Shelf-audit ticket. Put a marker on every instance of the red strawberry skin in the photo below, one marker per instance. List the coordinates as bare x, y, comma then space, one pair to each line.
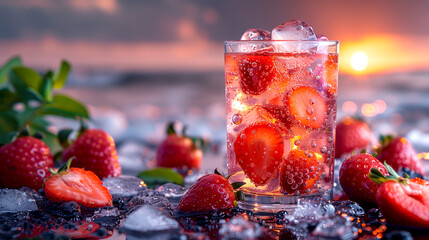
405, 205
210, 192
79, 185
95, 151
256, 73
178, 152
298, 171
351, 134
354, 178
399, 153
25, 163
258, 150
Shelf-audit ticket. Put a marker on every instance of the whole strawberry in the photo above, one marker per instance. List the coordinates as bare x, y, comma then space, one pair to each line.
25, 163
94, 150
210, 192
399, 153
178, 152
351, 134
354, 178
402, 201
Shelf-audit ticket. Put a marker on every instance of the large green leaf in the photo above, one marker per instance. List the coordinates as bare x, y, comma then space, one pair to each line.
159, 176
8, 124
60, 76
65, 106
7, 99
30, 77
26, 83
11, 63
46, 88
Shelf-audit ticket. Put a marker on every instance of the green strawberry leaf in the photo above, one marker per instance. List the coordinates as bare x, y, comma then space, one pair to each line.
30, 77
60, 76
26, 83
65, 106
63, 137
11, 63
159, 176
47, 86
7, 99
170, 128
8, 124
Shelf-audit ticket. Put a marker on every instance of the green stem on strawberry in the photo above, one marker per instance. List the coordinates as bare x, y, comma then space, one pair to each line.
376, 176
83, 126
239, 195
170, 128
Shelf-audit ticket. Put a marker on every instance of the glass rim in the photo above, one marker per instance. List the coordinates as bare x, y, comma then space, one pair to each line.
234, 42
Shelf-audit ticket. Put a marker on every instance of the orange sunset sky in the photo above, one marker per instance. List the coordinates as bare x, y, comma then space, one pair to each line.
174, 36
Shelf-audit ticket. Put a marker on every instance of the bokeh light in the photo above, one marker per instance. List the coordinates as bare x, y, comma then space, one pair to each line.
359, 61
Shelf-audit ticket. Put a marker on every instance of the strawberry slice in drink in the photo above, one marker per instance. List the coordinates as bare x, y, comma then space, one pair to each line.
299, 172
307, 106
258, 150
256, 72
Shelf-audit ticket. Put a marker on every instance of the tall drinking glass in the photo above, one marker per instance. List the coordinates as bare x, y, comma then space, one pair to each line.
281, 111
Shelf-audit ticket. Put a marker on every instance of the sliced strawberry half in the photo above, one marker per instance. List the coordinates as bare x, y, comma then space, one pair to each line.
256, 72
307, 106
279, 113
299, 172
258, 151
402, 201
79, 185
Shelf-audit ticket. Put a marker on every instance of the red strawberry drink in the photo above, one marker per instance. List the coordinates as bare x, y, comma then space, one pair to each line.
281, 107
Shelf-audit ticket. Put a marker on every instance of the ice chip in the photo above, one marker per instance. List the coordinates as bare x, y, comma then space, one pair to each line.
12, 200
240, 228
322, 38
336, 227
149, 219
172, 192
124, 186
350, 208
107, 212
307, 213
294, 30
255, 34
149, 197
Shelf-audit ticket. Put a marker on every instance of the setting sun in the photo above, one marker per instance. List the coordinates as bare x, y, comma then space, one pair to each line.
359, 61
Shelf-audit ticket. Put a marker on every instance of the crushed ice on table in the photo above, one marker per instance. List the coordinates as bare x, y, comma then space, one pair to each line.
149, 218
149, 197
240, 228
172, 192
106, 212
337, 227
349, 208
13, 200
124, 186
294, 30
306, 215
